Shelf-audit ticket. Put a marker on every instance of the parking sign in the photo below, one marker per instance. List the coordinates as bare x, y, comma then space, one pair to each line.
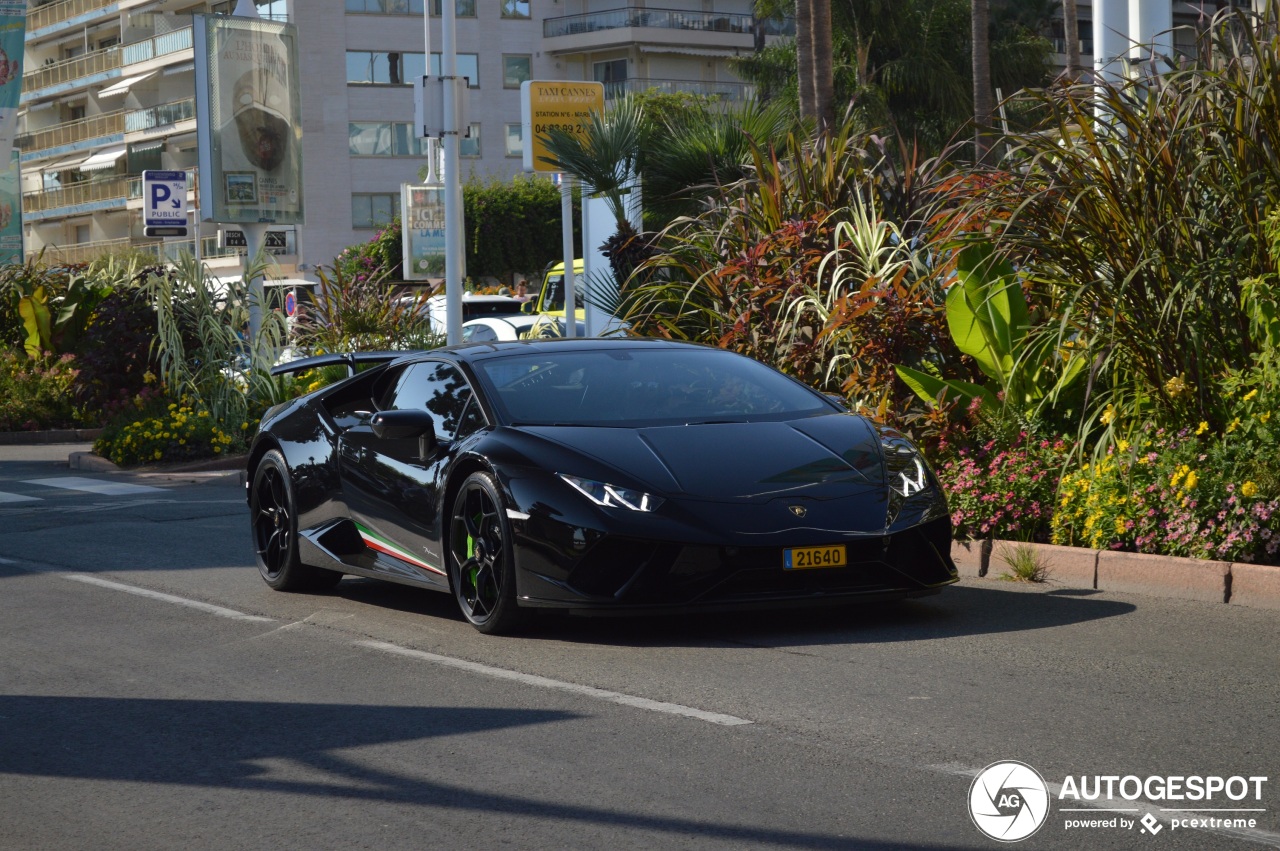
164, 198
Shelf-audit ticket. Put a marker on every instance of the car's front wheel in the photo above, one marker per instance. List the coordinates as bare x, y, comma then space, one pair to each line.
274, 522
481, 568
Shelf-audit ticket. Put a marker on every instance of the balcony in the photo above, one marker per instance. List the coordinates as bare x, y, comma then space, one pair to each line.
161, 45
73, 132
167, 251
572, 33
142, 120
99, 63
723, 91
81, 197
63, 10
667, 19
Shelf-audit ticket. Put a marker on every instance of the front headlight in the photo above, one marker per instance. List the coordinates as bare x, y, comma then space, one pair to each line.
612, 496
904, 468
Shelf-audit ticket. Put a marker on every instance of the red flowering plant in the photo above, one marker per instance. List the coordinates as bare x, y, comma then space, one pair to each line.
1004, 490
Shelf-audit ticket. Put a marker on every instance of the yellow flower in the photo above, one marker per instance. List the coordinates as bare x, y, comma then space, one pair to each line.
148, 377
1192, 478
1264, 416
1175, 386
1248, 489
1251, 394
1108, 416
1204, 426
1233, 425
1123, 446
158, 454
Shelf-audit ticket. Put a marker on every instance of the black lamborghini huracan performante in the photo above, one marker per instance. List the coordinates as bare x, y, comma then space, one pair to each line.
595, 475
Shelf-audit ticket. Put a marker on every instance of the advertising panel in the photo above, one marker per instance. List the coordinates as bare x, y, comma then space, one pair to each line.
249, 120
422, 215
10, 213
13, 30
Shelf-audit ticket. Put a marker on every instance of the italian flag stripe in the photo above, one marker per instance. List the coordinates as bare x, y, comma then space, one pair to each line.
374, 541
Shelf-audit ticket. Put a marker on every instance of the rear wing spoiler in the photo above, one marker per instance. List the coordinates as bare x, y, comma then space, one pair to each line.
348, 359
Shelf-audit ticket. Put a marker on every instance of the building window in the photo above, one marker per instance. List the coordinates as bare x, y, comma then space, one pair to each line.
515, 140
461, 8
385, 7
470, 146
384, 68
383, 139
515, 9
374, 210
468, 66
516, 69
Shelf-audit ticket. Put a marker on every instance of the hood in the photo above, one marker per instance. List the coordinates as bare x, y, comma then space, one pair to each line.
825, 457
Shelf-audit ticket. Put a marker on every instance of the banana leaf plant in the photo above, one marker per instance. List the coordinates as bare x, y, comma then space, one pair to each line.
988, 319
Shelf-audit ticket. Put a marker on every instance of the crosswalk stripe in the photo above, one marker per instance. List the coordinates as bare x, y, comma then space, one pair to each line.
17, 497
78, 483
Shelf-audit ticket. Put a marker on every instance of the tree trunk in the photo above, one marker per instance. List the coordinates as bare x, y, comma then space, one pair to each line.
1071, 30
982, 99
823, 84
804, 58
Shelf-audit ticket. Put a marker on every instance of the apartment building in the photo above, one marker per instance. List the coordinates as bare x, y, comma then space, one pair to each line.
109, 91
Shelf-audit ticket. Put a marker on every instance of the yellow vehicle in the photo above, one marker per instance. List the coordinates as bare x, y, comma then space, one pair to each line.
549, 300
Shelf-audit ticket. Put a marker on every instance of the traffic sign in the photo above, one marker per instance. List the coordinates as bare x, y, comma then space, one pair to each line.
164, 203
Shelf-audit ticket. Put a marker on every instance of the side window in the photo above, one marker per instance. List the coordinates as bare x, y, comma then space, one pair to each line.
439, 389
472, 419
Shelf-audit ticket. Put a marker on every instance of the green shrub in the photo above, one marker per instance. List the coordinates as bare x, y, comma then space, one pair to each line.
36, 394
156, 430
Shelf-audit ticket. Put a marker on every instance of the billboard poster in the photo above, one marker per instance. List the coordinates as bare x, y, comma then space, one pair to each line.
13, 31
10, 213
422, 233
248, 119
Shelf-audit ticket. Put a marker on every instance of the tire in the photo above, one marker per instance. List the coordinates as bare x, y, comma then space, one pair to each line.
273, 521
481, 567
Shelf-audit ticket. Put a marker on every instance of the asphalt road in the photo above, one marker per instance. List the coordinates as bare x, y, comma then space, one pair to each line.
154, 693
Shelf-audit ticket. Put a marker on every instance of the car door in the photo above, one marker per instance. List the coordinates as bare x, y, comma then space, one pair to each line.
394, 486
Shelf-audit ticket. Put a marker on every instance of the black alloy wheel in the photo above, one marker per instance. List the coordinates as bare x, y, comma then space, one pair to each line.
480, 561
274, 522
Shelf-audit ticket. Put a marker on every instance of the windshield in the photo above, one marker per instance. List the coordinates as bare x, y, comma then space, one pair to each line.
553, 291
640, 387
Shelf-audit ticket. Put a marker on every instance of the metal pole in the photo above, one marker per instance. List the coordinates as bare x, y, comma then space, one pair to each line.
566, 229
254, 236
452, 186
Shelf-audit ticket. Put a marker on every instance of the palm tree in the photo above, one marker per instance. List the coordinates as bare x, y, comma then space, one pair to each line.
982, 99
814, 61
606, 158
1071, 27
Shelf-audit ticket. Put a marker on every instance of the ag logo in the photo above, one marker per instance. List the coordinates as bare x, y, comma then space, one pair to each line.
1008, 801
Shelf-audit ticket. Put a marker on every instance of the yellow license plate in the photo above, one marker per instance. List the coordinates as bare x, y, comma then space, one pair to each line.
804, 558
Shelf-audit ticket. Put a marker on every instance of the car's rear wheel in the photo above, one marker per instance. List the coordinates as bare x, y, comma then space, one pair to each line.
274, 522
481, 568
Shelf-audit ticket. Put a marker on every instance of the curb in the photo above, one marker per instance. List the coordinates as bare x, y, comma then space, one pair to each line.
61, 435
1237, 584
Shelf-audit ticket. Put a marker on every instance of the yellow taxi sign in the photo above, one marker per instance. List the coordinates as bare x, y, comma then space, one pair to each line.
544, 104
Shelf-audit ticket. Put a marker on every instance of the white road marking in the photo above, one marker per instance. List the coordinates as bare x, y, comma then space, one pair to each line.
17, 497
559, 685
168, 598
79, 483
1262, 837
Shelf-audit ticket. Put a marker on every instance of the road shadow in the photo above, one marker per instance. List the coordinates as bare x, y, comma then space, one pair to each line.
961, 610
222, 744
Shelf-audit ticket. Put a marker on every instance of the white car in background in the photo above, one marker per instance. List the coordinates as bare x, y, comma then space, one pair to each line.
521, 326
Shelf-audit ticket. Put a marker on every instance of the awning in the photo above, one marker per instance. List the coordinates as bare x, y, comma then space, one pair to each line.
64, 164
689, 51
121, 86
106, 158
180, 69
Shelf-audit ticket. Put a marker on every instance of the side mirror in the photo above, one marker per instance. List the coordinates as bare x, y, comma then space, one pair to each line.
405, 425
527, 307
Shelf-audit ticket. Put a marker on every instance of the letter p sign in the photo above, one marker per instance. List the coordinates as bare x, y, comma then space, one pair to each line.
164, 196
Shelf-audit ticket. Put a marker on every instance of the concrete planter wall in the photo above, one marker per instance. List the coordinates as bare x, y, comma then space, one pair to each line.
1130, 573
